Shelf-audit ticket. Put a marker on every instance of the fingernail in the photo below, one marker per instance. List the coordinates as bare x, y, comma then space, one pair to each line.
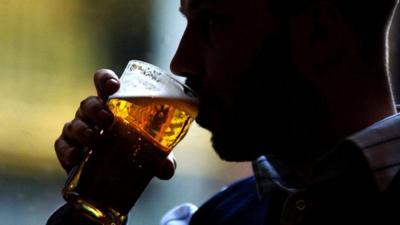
111, 84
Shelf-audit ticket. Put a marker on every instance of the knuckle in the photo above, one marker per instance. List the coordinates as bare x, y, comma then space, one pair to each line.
86, 101
91, 103
67, 127
57, 144
79, 126
61, 151
79, 114
74, 128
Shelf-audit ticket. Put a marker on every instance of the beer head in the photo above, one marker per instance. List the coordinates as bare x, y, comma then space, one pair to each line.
154, 104
141, 80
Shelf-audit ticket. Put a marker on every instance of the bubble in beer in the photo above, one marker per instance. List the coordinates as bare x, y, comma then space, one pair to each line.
145, 130
161, 120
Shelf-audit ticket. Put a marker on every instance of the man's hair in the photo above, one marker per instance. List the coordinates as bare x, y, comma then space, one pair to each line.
394, 54
368, 18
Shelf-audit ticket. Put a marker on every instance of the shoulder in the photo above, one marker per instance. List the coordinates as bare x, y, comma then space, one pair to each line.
383, 131
236, 191
380, 144
238, 203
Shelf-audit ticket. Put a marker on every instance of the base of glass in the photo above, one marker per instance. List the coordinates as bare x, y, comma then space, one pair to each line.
104, 216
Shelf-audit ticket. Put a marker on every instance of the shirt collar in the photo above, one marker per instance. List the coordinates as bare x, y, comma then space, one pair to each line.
380, 144
267, 177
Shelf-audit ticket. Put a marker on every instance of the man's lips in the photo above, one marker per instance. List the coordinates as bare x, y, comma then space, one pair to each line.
195, 83
208, 111
204, 119
209, 103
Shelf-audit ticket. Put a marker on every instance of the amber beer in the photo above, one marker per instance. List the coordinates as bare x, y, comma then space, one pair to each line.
116, 171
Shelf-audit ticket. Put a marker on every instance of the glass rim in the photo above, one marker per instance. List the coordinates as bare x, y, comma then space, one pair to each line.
185, 86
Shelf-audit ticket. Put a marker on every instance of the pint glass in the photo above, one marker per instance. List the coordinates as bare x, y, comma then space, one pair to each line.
152, 113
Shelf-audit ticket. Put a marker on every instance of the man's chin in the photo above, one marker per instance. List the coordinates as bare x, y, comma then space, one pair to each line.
233, 151
205, 120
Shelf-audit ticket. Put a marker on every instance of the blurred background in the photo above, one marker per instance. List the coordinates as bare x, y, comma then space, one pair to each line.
48, 53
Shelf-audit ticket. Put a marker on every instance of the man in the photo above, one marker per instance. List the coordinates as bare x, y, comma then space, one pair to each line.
300, 88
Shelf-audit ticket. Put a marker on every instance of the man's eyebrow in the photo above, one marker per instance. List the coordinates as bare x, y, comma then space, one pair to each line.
187, 5
195, 3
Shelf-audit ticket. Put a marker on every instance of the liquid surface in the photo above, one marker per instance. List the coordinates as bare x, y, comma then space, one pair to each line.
117, 170
164, 121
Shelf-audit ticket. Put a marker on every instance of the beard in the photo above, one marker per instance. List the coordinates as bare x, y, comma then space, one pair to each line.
274, 109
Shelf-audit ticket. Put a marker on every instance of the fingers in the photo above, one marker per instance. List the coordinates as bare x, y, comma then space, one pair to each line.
94, 111
92, 114
79, 133
82, 131
167, 170
67, 155
106, 82
69, 146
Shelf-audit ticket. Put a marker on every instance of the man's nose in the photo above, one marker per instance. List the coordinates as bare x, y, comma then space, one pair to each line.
188, 60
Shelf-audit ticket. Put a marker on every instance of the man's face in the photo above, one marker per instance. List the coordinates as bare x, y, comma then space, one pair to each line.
237, 59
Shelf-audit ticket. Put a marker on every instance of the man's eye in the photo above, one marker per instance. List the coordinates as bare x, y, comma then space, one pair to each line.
210, 25
214, 18
211, 21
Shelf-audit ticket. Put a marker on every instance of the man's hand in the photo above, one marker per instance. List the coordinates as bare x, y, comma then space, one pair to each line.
92, 116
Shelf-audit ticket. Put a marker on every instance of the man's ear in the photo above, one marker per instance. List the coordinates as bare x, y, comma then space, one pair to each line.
320, 38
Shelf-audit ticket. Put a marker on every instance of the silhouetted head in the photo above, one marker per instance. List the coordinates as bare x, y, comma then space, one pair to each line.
271, 73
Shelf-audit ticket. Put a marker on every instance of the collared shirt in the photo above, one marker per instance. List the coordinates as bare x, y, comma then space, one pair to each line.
379, 143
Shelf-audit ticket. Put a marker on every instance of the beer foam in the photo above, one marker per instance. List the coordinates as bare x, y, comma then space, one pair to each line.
141, 79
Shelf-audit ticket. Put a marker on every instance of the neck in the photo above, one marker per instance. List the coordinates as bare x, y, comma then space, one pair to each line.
350, 101
358, 97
